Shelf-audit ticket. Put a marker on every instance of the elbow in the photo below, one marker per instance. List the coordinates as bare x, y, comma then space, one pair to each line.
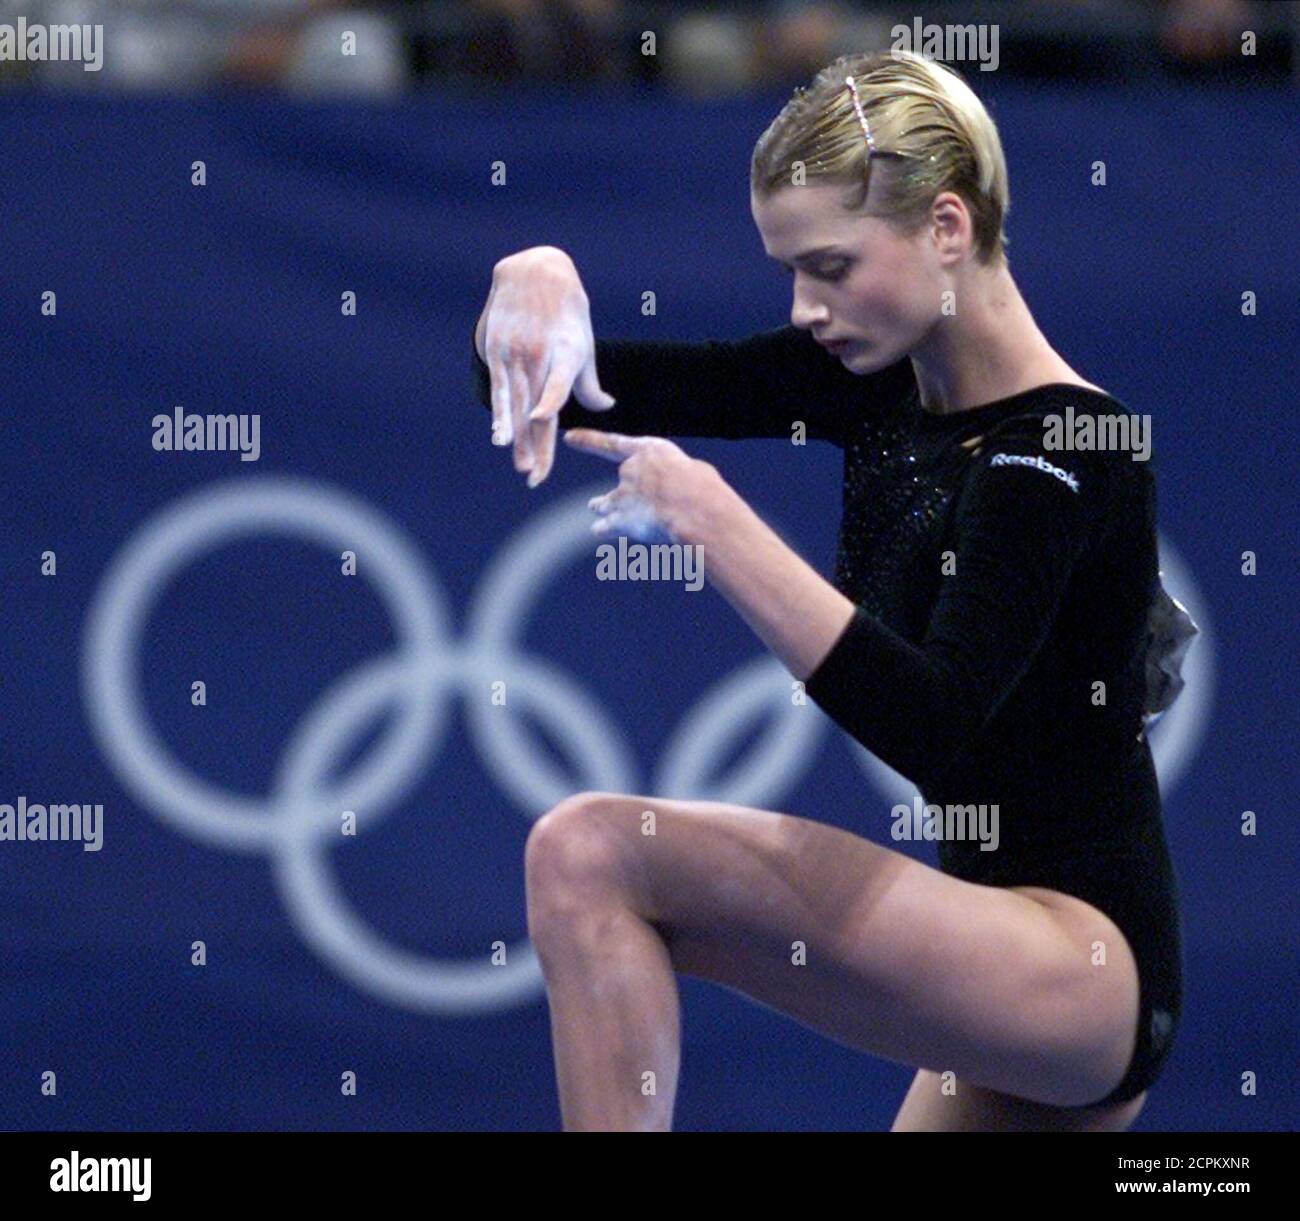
944, 724
955, 727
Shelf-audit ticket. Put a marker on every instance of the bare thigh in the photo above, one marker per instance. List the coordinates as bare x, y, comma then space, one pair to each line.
938, 1104
1000, 986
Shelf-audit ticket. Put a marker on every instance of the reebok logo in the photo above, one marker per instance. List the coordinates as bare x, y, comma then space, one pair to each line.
1066, 477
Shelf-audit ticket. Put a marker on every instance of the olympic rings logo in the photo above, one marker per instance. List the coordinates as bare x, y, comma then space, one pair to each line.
295, 823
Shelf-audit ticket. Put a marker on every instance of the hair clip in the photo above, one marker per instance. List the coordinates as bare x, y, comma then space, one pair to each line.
862, 118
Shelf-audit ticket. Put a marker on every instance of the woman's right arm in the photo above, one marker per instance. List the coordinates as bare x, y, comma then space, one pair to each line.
537, 319
758, 386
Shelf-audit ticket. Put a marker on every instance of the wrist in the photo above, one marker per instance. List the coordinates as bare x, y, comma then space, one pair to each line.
713, 511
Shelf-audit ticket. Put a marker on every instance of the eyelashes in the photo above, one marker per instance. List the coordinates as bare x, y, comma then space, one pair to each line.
832, 278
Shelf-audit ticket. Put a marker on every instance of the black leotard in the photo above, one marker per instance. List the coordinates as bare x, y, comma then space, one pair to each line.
993, 597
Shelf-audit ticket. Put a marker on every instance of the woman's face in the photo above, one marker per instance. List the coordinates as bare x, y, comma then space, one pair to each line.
856, 278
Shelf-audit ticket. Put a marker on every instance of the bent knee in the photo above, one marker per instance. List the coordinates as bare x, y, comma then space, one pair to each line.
574, 844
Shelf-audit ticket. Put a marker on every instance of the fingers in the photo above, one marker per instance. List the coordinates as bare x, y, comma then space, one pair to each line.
555, 393
541, 432
612, 445
634, 518
545, 416
544, 433
502, 430
534, 440
620, 511
519, 402
603, 504
588, 392
612, 523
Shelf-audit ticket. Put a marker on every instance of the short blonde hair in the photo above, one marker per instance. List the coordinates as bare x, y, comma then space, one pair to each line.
925, 121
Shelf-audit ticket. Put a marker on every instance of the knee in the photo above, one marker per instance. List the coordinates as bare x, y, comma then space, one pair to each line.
573, 873
571, 853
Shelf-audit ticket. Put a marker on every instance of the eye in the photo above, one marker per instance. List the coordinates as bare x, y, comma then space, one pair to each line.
833, 276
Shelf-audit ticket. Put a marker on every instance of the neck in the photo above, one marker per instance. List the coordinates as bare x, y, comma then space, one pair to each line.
989, 349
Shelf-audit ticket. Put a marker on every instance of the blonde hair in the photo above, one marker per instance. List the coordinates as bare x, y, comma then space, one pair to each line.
926, 123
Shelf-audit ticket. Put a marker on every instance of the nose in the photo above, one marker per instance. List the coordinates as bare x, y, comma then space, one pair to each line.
805, 311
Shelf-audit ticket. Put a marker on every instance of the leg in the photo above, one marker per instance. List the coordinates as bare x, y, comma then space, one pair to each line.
867, 946
970, 1108
615, 1015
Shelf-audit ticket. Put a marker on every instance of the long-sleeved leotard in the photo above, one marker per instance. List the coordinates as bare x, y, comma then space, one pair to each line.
997, 652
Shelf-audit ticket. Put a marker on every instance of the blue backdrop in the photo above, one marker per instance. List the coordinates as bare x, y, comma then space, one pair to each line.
369, 955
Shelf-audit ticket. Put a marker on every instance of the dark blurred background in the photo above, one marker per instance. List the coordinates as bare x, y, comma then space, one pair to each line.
716, 47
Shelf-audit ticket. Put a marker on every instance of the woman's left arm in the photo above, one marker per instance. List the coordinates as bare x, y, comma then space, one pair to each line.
1021, 523
794, 610
789, 605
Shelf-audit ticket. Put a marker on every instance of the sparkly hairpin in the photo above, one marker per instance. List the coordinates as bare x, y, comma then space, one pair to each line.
862, 118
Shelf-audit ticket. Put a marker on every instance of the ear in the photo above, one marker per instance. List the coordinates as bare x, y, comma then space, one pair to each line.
950, 226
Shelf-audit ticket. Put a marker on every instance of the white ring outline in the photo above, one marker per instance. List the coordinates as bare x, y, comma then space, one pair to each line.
294, 827
132, 584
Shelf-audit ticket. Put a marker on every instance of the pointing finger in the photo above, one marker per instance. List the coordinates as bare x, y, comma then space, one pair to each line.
612, 445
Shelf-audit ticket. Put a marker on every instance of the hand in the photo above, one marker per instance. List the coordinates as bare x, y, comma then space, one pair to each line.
660, 489
535, 336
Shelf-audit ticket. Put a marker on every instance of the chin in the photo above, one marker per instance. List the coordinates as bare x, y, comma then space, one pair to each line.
863, 357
